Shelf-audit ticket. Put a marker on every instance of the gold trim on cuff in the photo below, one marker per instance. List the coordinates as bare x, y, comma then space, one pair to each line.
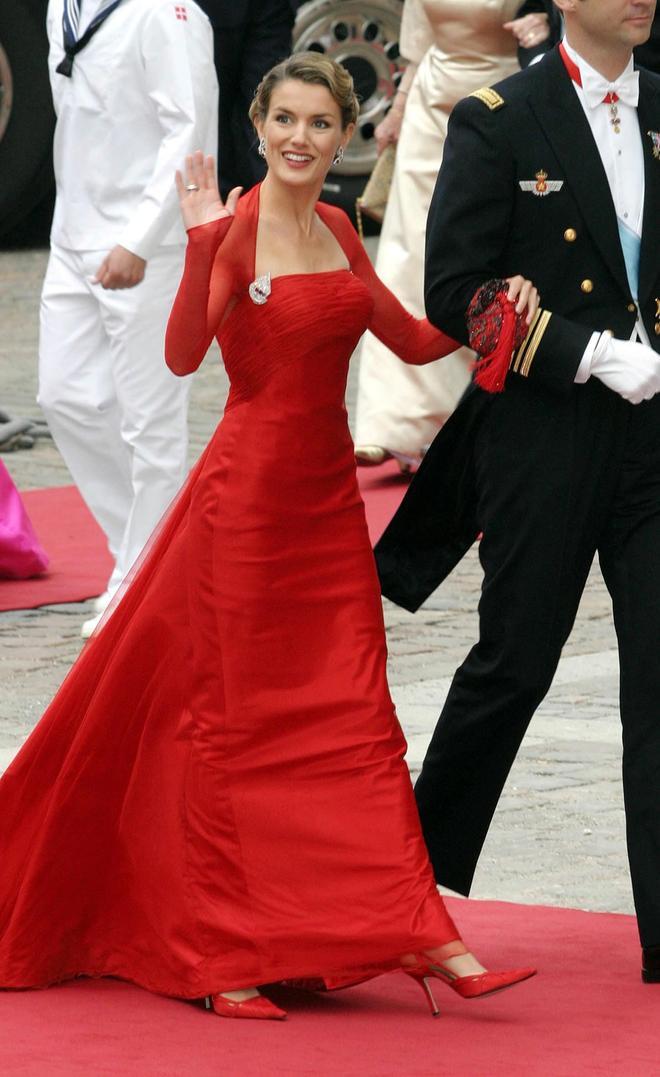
524, 357
518, 356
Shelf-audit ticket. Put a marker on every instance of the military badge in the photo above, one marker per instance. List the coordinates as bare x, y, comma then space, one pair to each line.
541, 185
655, 139
657, 317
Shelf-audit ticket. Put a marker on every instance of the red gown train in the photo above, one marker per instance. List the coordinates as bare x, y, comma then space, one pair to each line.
217, 796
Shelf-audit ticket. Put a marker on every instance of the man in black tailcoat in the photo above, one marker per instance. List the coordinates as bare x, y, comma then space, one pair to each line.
553, 174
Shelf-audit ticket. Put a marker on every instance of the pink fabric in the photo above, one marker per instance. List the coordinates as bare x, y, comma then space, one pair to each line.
21, 555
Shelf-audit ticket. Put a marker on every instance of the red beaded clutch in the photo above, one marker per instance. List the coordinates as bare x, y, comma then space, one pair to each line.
496, 331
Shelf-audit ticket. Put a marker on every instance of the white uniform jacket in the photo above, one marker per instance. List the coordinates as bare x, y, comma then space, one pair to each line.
142, 95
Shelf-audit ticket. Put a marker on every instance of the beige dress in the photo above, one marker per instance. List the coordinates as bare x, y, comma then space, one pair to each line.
460, 46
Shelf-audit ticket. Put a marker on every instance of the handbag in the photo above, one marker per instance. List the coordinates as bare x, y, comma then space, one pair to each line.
373, 200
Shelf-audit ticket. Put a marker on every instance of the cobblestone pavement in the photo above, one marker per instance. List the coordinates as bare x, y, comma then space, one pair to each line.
558, 836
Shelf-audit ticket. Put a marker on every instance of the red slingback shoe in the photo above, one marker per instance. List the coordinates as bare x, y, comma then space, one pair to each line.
258, 1007
477, 986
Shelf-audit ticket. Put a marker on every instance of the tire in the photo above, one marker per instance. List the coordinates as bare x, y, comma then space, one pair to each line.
26, 113
364, 36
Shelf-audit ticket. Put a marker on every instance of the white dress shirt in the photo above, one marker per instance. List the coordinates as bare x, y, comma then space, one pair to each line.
622, 155
142, 95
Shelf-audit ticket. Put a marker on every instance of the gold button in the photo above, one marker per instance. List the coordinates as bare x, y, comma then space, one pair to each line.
587, 285
570, 235
657, 329
631, 308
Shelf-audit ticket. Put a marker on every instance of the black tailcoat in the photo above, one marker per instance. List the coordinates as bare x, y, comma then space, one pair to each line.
544, 7
250, 36
550, 471
648, 54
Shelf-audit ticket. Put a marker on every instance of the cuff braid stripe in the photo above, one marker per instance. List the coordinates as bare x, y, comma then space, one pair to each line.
518, 357
524, 357
535, 341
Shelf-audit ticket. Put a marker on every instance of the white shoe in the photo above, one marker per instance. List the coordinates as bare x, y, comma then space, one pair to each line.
101, 603
370, 455
88, 626
374, 455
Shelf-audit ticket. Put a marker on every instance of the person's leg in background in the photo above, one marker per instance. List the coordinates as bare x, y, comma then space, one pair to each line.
152, 402
77, 393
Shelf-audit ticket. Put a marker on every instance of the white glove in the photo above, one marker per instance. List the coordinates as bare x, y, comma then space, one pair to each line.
630, 369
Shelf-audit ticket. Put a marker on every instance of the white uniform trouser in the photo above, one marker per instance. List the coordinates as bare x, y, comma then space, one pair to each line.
116, 413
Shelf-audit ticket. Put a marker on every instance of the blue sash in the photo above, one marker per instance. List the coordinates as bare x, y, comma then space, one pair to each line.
631, 245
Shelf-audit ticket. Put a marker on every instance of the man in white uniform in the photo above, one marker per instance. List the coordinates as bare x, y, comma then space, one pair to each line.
135, 90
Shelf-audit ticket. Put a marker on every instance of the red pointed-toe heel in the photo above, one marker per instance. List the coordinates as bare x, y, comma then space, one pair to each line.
477, 986
258, 1008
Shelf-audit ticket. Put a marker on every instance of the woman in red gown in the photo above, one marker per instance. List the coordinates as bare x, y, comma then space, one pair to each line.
217, 797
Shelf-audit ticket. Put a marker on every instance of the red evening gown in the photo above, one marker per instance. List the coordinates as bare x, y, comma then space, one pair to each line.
217, 795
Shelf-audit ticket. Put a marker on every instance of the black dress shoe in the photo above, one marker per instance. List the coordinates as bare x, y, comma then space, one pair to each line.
651, 965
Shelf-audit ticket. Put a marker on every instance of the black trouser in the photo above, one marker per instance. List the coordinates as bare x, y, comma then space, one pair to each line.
250, 37
558, 479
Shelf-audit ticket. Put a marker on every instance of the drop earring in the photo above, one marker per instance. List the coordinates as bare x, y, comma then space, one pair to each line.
339, 156
261, 148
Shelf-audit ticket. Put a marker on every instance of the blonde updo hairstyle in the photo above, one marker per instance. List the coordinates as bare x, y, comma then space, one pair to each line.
314, 69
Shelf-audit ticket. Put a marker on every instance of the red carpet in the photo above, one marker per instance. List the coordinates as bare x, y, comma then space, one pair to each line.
586, 1013
79, 560
382, 489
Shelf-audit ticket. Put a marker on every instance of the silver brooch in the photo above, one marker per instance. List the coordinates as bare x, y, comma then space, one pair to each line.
259, 290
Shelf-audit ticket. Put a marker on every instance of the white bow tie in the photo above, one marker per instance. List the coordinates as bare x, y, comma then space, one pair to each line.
626, 88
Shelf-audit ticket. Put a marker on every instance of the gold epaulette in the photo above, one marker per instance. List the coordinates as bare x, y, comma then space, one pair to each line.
490, 98
522, 359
